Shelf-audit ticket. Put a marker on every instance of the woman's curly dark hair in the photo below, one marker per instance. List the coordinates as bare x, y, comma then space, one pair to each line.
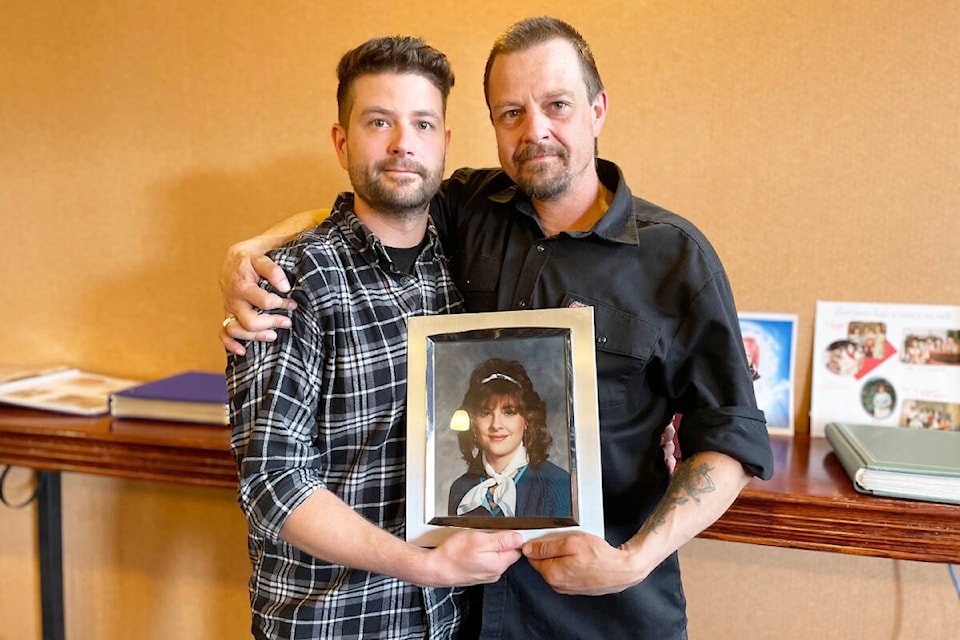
512, 382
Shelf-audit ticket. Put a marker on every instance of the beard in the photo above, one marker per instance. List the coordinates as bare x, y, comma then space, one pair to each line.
403, 199
541, 181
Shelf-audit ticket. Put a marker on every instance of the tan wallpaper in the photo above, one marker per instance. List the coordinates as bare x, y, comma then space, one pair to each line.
816, 144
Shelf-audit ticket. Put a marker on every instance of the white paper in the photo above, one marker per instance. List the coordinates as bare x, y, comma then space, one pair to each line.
893, 365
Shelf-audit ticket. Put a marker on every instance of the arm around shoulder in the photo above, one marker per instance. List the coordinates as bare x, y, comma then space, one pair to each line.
244, 266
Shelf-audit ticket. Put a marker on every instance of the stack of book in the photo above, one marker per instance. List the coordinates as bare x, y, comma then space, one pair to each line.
192, 396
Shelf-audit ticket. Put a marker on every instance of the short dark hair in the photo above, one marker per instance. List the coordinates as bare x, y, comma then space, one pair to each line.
531, 32
497, 377
391, 54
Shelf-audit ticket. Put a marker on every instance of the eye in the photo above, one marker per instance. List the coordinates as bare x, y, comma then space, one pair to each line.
510, 114
378, 122
423, 125
558, 105
483, 413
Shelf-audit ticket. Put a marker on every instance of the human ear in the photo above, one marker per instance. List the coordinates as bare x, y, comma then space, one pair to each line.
599, 109
338, 134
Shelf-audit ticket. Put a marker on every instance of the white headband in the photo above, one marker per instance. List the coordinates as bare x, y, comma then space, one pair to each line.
499, 376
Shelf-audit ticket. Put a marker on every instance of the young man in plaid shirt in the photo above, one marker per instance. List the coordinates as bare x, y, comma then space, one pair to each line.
319, 414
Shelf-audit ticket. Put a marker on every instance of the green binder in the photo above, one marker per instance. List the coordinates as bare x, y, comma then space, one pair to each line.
899, 462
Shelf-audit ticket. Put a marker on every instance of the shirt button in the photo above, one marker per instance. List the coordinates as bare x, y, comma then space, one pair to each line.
602, 340
522, 304
541, 248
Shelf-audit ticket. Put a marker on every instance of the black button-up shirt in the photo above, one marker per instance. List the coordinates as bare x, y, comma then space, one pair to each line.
668, 341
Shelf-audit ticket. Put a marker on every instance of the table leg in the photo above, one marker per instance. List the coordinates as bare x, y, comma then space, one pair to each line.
49, 528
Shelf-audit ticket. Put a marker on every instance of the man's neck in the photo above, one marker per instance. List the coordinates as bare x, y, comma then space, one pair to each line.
401, 231
577, 210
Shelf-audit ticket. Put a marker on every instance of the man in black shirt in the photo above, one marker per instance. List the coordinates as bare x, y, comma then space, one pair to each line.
557, 227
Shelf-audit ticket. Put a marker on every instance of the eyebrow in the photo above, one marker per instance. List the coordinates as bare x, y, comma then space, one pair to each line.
383, 111
550, 96
427, 113
504, 103
554, 95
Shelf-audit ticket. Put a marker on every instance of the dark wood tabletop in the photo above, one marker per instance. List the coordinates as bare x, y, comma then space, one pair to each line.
183, 453
809, 504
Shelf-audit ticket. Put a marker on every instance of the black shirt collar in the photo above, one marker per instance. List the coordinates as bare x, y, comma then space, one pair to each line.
618, 224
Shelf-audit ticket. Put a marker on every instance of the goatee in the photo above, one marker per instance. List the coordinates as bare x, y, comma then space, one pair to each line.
534, 180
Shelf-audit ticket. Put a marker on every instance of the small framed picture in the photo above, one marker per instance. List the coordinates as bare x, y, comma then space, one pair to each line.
502, 424
770, 340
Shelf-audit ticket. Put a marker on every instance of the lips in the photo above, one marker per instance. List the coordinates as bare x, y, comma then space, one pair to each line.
402, 167
538, 152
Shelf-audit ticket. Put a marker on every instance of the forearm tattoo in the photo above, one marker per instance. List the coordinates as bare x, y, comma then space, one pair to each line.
690, 481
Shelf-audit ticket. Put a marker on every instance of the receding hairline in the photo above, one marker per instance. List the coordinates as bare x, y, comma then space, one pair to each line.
533, 32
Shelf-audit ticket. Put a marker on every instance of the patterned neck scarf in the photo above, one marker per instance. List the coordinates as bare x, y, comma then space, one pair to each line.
505, 493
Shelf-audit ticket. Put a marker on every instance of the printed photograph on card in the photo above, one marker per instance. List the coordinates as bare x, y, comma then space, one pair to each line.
931, 346
506, 452
927, 414
890, 365
770, 341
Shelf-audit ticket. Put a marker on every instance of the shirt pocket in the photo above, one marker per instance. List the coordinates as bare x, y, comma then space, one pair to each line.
625, 345
478, 284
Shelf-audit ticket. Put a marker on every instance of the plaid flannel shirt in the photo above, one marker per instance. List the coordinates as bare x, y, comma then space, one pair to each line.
325, 407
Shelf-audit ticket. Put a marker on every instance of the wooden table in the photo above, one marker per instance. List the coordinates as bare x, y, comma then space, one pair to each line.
809, 504
142, 450
52, 443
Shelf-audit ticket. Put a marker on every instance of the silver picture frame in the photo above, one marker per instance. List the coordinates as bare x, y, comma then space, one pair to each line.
556, 349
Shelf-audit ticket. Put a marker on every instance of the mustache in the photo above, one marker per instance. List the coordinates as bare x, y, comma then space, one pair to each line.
401, 164
534, 150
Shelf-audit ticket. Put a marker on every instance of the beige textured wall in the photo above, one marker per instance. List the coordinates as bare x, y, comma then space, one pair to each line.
746, 592
815, 143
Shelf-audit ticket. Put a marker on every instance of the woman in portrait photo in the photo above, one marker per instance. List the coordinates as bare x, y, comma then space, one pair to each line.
506, 449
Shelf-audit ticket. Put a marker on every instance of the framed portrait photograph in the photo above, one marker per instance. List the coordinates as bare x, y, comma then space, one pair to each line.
502, 424
770, 342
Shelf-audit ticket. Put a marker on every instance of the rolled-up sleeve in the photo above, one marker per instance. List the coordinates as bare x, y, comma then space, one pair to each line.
713, 383
273, 397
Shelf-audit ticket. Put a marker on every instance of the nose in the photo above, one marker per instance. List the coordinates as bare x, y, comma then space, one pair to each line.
536, 126
400, 141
